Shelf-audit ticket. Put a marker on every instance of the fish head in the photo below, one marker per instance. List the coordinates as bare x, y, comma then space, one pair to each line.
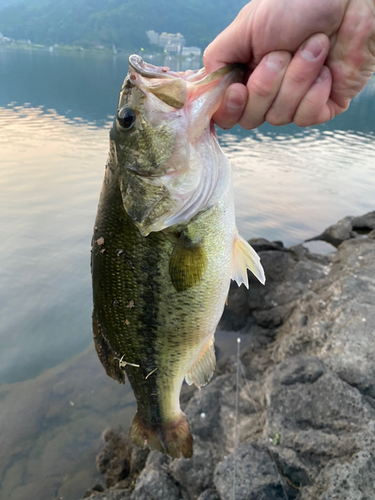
161, 117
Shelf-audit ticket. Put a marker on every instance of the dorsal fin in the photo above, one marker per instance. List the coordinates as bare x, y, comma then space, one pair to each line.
203, 369
245, 257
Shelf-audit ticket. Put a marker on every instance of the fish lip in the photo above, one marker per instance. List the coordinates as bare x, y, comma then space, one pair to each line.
148, 70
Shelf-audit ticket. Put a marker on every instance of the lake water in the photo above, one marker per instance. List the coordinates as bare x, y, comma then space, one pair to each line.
55, 114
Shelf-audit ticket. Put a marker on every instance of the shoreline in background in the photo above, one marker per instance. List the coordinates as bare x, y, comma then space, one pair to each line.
94, 50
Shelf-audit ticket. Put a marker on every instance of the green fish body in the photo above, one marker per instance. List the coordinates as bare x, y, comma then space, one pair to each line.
165, 245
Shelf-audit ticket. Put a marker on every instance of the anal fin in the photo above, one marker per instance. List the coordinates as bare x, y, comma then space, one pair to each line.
245, 257
203, 369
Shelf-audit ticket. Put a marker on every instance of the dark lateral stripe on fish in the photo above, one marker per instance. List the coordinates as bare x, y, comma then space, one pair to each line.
148, 316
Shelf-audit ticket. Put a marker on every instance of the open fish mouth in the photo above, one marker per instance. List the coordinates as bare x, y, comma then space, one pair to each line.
194, 76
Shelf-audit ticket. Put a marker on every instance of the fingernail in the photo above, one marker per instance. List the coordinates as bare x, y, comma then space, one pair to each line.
235, 100
311, 49
323, 75
275, 62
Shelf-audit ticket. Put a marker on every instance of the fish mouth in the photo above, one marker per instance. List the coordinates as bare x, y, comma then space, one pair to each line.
194, 76
175, 88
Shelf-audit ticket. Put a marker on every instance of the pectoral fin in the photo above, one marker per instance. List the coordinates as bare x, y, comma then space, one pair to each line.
187, 263
245, 257
203, 369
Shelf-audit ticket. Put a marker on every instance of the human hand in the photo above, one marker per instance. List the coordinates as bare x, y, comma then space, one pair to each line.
286, 43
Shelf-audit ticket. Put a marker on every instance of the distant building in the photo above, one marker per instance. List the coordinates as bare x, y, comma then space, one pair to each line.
153, 37
4, 39
171, 42
191, 51
171, 38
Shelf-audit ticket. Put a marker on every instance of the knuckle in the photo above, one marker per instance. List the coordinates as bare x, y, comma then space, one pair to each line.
249, 124
259, 89
277, 120
304, 120
299, 77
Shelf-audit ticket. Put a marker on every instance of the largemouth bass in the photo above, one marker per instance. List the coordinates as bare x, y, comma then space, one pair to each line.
165, 245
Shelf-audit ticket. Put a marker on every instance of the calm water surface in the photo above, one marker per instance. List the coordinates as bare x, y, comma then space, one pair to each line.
55, 114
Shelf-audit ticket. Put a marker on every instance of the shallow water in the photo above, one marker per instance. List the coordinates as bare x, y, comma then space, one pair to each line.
55, 114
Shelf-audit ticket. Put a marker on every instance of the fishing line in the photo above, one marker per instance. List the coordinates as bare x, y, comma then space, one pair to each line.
236, 418
246, 384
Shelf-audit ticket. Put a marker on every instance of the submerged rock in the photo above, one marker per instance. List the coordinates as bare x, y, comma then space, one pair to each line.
305, 421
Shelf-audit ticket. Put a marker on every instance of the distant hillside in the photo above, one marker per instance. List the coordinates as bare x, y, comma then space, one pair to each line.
119, 22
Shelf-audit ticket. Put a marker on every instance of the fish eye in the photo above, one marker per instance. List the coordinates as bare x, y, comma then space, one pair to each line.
126, 117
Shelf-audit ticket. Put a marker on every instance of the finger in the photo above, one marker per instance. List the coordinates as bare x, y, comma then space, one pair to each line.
300, 75
232, 107
316, 106
263, 86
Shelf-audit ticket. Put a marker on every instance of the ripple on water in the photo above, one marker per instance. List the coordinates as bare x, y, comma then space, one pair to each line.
291, 187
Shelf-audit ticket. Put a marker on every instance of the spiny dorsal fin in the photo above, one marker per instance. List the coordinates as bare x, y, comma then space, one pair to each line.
245, 257
203, 369
187, 263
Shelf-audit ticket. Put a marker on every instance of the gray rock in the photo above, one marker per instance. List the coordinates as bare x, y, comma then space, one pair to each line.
111, 495
353, 480
262, 245
337, 233
248, 474
155, 482
364, 223
195, 474
120, 460
315, 413
210, 494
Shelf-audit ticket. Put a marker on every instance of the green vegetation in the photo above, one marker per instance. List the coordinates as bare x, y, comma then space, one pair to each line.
120, 22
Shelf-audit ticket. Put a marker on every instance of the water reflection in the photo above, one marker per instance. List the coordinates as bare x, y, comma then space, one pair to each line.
50, 180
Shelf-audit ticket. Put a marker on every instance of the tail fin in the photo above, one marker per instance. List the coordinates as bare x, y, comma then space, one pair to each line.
173, 438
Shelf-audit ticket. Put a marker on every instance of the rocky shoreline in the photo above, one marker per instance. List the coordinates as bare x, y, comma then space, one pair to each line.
306, 389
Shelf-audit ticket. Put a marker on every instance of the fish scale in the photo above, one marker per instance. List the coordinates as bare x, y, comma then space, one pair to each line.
159, 290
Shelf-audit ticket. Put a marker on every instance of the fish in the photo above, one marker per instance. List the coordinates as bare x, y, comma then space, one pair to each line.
165, 245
